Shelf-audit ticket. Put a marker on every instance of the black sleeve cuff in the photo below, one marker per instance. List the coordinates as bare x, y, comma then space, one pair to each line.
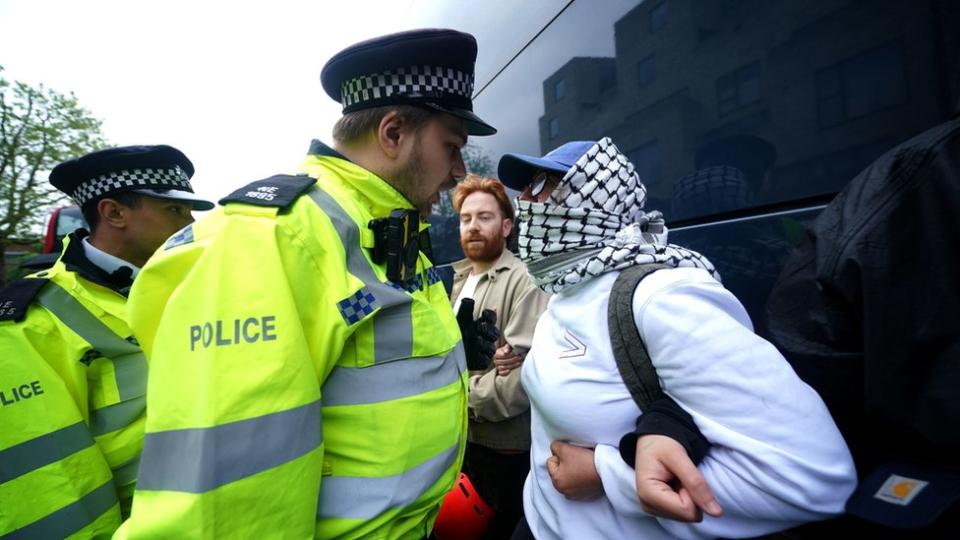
665, 417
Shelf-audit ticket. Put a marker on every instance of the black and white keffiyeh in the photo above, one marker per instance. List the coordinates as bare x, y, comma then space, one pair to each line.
594, 222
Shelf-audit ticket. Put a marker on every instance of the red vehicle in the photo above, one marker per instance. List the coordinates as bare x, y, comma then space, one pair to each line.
62, 221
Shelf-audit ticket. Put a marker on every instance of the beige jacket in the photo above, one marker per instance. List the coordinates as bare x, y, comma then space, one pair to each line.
499, 408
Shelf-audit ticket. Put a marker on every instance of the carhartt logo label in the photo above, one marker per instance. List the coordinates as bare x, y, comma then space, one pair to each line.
264, 193
900, 490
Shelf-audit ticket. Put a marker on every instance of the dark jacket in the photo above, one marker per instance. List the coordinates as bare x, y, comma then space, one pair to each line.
867, 309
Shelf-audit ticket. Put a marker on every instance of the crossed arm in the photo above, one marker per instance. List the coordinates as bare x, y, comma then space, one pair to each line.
664, 451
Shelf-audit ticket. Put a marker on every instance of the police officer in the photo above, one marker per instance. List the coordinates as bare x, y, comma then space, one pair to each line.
72, 378
307, 373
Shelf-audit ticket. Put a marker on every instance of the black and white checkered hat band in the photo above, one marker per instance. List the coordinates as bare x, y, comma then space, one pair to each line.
94, 188
413, 81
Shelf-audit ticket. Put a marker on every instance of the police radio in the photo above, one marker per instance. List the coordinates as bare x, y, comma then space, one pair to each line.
396, 243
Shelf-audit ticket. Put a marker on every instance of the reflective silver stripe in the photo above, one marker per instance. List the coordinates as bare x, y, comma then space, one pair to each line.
116, 416
130, 372
129, 364
198, 460
126, 473
73, 314
354, 497
41, 451
70, 518
393, 324
459, 356
393, 380
392, 334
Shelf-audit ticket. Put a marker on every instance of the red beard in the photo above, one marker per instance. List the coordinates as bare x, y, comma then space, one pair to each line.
489, 250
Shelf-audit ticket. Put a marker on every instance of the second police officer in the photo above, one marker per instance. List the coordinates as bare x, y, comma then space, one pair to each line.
307, 373
72, 378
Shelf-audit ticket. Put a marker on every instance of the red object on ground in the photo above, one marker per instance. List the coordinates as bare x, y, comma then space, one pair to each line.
463, 515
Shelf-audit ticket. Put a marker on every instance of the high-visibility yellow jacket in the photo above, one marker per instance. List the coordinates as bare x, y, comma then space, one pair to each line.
294, 392
70, 374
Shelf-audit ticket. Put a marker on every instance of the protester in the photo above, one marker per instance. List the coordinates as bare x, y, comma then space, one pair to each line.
865, 310
497, 459
776, 458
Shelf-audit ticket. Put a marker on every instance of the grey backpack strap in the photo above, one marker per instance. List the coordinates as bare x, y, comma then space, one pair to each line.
631, 355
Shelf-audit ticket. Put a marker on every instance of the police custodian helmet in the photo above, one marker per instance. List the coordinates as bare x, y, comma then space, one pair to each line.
158, 171
431, 68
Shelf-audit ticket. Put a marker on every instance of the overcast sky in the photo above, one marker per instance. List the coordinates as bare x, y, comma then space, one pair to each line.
235, 85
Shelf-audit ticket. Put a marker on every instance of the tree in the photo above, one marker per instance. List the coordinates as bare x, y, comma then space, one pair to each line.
39, 128
477, 161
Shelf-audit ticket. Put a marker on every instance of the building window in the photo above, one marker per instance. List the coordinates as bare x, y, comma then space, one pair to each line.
608, 77
658, 17
646, 159
559, 90
647, 70
554, 127
861, 85
738, 89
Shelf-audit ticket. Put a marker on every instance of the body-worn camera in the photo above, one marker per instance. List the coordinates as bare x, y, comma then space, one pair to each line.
396, 243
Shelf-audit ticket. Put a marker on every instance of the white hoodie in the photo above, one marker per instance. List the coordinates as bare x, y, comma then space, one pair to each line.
776, 460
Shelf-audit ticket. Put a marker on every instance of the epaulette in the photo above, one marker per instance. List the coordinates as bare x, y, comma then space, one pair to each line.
16, 297
278, 191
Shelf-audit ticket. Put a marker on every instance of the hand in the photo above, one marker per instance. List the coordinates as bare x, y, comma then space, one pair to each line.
573, 472
506, 359
479, 336
661, 463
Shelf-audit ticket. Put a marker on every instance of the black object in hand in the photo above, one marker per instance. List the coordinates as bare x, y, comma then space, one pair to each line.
479, 336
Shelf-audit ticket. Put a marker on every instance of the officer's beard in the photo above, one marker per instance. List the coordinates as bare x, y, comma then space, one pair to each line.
408, 176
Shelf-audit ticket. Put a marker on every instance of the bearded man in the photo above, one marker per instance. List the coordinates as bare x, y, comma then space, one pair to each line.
498, 449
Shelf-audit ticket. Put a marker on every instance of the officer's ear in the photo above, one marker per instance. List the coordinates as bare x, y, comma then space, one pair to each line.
113, 213
393, 132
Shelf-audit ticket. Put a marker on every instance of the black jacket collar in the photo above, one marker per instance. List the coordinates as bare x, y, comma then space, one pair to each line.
75, 260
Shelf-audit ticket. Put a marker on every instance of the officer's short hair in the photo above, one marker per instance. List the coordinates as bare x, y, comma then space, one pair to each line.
130, 199
354, 126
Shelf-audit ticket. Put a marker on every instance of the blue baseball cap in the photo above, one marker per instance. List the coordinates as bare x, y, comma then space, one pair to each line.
516, 170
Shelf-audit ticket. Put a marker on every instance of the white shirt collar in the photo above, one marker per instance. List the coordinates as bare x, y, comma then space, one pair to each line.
107, 262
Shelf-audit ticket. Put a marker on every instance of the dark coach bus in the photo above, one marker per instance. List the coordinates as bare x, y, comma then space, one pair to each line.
744, 117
